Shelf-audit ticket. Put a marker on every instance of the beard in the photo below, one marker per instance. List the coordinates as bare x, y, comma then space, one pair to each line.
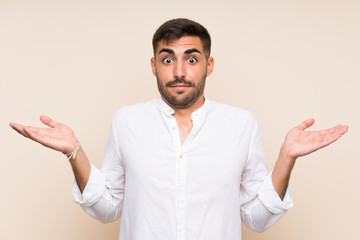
181, 100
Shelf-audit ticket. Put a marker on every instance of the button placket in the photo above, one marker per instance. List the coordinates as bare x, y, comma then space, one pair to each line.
181, 198
181, 169
180, 156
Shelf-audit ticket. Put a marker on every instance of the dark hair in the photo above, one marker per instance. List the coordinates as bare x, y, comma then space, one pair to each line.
181, 27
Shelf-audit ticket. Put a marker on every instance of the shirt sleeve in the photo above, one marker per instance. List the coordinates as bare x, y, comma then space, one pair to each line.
270, 198
261, 206
104, 192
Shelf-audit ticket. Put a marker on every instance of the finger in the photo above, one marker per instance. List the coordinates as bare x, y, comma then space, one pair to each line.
330, 139
343, 129
307, 123
329, 136
48, 121
19, 128
34, 134
340, 129
337, 130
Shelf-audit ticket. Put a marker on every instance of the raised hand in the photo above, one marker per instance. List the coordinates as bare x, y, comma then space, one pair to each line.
299, 142
58, 137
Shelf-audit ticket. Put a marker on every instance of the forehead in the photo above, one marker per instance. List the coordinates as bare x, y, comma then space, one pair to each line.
181, 44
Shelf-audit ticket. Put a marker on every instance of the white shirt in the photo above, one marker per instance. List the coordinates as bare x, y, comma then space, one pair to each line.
163, 190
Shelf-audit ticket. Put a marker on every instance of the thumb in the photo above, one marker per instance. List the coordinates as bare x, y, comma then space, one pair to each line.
48, 121
307, 123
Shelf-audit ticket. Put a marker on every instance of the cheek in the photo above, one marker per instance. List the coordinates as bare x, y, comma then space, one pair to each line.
196, 73
164, 73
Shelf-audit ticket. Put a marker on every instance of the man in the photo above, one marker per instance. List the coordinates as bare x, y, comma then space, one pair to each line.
182, 166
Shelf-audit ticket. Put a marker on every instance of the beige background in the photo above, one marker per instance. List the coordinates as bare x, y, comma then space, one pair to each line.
79, 61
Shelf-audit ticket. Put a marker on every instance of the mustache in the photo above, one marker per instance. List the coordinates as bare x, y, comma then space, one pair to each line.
180, 81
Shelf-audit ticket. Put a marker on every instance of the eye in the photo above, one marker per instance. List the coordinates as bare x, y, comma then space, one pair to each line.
192, 60
167, 60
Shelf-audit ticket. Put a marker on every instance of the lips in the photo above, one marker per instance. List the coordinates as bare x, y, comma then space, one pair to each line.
180, 86
180, 83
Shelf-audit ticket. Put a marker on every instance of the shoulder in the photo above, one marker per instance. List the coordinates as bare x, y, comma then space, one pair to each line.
231, 113
136, 110
235, 123
138, 114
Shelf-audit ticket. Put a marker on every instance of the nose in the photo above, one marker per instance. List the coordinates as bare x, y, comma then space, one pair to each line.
179, 70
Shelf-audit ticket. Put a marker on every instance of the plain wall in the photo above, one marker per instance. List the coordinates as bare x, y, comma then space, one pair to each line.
79, 61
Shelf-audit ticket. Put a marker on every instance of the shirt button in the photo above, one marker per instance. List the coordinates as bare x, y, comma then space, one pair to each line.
173, 128
181, 155
170, 110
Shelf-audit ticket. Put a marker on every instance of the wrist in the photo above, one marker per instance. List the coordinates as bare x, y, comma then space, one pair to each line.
72, 154
286, 157
70, 146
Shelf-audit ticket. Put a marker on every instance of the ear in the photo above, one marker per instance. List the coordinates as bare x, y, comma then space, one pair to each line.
210, 66
153, 66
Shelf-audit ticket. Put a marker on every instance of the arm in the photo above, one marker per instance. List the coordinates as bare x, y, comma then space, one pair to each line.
260, 204
61, 138
267, 201
102, 198
299, 142
105, 190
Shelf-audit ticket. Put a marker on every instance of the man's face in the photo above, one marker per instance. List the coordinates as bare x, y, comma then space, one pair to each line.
181, 68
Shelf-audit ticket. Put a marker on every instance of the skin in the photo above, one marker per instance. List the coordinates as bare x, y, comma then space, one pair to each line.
61, 138
299, 142
182, 59
173, 61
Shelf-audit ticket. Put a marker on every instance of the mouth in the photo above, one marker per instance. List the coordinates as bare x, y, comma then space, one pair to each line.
180, 86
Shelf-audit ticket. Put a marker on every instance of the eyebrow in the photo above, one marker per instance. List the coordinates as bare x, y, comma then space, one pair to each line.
170, 51
167, 50
189, 51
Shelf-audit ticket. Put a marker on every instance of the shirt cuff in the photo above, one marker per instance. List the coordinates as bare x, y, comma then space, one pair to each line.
94, 189
270, 198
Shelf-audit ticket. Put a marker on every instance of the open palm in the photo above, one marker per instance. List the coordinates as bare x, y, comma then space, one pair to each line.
299, 142
59, 136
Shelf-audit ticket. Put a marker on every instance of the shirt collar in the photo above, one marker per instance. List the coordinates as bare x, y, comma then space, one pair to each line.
198, 113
